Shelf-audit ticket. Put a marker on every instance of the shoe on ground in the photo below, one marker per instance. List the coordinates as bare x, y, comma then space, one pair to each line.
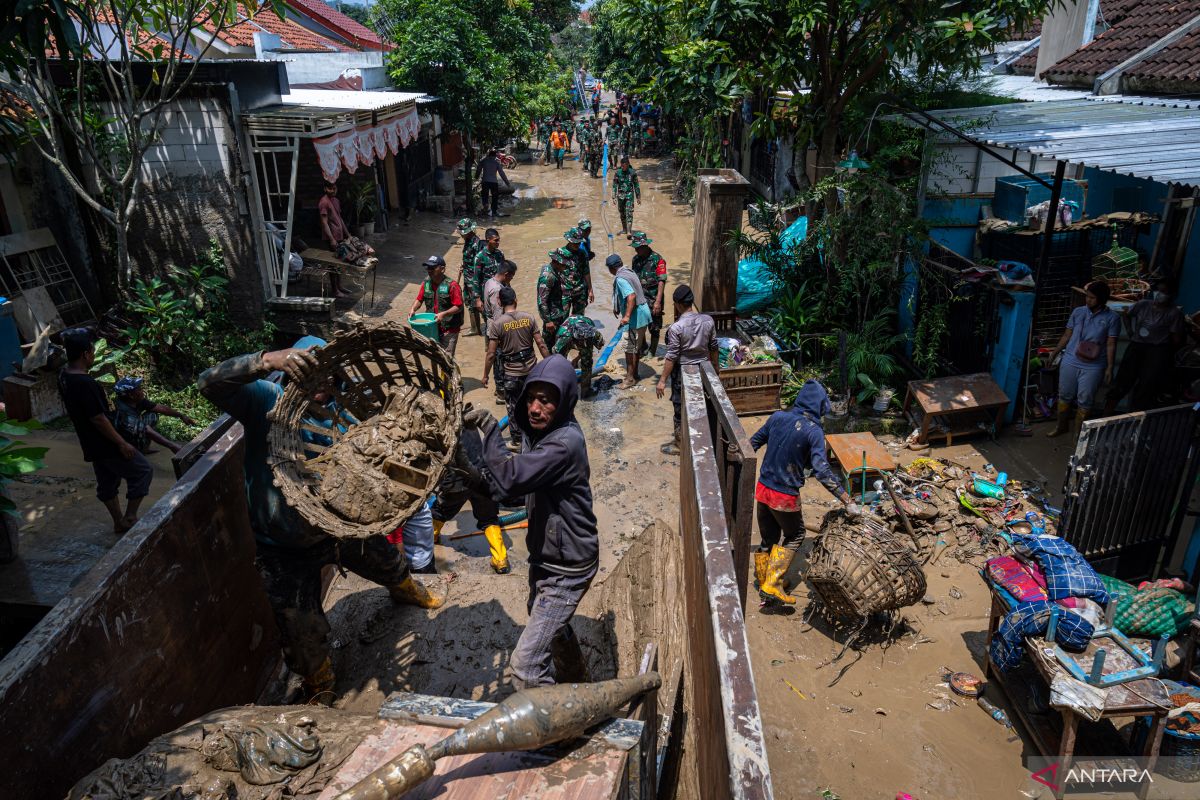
410, 592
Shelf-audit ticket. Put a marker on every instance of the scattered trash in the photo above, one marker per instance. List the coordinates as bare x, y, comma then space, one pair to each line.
881, 712
965, 683
799, 693
956, 593
846, 709
928, 600
856, 692
994, 712
941, 704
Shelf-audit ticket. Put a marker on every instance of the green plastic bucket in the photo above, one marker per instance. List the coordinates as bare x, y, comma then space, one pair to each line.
425, 324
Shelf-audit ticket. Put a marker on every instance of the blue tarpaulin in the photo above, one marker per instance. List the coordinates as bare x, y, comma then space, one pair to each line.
756, 286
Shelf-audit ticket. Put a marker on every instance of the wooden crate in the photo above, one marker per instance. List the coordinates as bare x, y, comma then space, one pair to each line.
753, 388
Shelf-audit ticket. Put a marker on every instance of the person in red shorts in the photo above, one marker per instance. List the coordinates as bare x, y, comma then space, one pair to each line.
795, 442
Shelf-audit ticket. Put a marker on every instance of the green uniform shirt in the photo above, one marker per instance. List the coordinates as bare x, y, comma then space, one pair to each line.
551, 295
651, 270
486, 266
469, 251
625, 185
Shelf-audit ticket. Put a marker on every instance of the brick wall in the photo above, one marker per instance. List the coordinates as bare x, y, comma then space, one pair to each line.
193, 194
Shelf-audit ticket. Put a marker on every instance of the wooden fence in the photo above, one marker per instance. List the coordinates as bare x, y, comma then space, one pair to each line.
729, 754
172, 623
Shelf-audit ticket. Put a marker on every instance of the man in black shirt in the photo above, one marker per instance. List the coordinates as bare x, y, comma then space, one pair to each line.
112, 458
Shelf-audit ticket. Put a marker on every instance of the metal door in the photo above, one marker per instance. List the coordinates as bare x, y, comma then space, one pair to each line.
1125, 495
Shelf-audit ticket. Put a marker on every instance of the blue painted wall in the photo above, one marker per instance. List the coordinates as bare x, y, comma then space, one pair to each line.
1108, 192
953, 221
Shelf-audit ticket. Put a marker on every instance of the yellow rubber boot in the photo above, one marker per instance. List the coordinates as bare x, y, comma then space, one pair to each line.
778, 562
318, 687
1062, 422
410, 592
437, 530
495, 540
761, 557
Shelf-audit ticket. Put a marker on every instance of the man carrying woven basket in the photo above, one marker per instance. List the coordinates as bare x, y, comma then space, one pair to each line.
795, 442
290, 552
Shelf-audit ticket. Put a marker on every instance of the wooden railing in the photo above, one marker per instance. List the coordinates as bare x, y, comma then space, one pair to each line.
725, 737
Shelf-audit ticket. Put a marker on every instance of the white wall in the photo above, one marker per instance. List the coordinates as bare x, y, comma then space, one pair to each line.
322, 67
195, 141
955, 168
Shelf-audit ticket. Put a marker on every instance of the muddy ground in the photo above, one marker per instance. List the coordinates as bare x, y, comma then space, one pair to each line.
870, 734
462, 649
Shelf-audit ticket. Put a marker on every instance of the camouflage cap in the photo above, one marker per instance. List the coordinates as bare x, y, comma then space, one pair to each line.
466, 225
640, 238
574, 236
561, 255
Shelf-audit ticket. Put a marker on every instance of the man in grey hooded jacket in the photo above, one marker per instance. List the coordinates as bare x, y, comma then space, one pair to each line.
553, 474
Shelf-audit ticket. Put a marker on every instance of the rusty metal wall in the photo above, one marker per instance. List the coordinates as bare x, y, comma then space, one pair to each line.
172, 623
1124, 488
724, 747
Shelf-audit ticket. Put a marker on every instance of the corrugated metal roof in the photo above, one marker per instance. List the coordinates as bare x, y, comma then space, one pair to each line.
354, 101
1157, 138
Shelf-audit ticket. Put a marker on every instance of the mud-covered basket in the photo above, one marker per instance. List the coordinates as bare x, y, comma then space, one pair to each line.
862, 568
363, 464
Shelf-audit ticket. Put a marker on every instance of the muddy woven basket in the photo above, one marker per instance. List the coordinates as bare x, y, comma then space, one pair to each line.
864, 568
365, 462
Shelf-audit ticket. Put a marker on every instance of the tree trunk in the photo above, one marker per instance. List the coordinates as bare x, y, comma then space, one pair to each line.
470, 156
124, 263
827, 157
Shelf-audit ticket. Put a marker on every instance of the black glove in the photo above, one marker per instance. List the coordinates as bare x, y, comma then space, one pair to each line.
479, 419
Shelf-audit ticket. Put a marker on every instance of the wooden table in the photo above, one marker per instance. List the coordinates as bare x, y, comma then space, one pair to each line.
961, 405
850, 450
325, 262
1124, 700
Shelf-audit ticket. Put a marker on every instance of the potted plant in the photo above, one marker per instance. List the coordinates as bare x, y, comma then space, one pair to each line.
366, 205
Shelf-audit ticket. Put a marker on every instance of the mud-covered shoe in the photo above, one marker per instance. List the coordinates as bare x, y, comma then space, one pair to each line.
499, 551
318, 687
410, 592
778, 561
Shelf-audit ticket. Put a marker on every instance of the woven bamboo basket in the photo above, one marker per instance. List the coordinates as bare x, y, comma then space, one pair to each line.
864, 568
397, 413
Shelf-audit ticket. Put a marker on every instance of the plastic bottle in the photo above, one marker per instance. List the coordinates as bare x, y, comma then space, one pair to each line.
995, 713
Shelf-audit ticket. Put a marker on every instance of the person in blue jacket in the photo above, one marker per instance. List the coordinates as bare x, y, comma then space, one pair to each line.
289, 552
795, 442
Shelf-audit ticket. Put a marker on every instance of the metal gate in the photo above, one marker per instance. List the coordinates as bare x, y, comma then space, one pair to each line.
1127, 486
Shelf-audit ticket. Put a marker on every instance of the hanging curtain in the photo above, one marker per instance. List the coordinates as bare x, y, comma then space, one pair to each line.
379, 141
410, 127
391, 130
364, 144
348, 150
329, 156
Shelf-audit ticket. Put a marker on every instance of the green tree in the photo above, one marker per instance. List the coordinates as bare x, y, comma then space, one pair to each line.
89, 82
698, 59
359, 13
488, 60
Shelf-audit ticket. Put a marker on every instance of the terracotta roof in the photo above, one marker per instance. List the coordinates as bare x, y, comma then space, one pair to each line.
351, 30
1111, 13
293, 35
1177, 63
1143, 24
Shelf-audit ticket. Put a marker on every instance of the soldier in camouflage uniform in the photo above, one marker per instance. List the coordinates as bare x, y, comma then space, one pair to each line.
651, 269
614, 135
578, 287
551, 294
471, 246
595, 149
487, 263
581, 128
579, 333
626, 190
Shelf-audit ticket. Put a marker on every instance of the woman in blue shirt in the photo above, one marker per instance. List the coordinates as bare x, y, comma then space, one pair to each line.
1089, 347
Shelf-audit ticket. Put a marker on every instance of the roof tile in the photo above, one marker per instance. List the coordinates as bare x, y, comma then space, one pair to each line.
355, 32
1143, 24
294, 36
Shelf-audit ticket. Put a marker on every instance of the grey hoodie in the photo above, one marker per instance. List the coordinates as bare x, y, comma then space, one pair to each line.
553, 473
